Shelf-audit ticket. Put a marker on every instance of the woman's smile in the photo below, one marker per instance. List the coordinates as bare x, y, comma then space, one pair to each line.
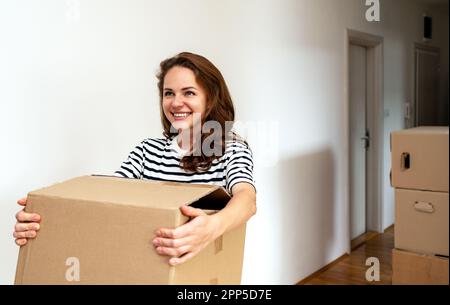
179, 116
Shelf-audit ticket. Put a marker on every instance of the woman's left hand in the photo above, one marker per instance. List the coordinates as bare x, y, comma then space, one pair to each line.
186, 241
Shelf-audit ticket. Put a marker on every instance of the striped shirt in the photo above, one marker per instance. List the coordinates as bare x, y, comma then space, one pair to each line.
159, 159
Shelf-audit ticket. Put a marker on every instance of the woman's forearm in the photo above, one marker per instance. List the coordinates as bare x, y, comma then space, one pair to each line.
240, 208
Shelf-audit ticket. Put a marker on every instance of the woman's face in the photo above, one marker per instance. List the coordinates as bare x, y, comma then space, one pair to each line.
182, 98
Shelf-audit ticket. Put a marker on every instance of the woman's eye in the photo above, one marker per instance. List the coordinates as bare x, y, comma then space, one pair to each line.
168, 93
190, 93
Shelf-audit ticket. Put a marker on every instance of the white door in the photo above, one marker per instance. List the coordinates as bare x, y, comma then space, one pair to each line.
358, 141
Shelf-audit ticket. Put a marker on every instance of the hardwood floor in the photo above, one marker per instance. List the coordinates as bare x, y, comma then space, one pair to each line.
351, 269
362, 239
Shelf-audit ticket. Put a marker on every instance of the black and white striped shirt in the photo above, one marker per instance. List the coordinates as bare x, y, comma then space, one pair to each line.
159, 159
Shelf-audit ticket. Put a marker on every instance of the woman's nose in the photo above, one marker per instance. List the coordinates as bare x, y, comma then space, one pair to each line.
178, 101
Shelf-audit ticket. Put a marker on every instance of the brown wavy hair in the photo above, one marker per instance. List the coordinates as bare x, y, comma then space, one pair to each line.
219, 105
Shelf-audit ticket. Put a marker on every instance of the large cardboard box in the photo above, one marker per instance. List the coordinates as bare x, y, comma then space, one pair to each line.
410, 268
420, 158
99, 230
422, 221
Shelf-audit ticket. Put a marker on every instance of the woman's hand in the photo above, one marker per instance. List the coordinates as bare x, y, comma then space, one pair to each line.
27, 224
184, 242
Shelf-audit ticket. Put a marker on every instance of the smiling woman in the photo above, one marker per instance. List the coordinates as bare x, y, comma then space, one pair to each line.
192, 93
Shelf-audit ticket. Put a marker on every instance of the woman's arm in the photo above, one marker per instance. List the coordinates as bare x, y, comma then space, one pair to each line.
240, 208
186, 241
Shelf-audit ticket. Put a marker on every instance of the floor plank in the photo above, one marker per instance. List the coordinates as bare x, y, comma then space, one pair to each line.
362, 239
351, 269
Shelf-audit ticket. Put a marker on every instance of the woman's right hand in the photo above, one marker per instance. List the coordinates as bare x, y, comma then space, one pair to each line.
27, 224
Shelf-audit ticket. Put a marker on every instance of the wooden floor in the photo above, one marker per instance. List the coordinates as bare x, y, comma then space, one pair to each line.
351, 269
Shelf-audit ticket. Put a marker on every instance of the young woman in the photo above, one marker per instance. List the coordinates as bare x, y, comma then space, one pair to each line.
193, 95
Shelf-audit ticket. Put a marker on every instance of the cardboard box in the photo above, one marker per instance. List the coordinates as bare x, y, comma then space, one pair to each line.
420, 158
421, 221
410, 268
99, 230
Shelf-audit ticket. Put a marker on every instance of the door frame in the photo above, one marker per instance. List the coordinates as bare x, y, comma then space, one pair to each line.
427, 49
375, 120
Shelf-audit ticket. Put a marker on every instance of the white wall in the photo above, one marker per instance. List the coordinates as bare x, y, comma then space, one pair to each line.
77, 94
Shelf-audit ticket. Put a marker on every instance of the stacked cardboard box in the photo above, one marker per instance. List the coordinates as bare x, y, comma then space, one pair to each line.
98, 230
420, 177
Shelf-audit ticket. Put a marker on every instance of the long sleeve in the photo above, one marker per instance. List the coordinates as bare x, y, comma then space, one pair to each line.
133, 166
239, 167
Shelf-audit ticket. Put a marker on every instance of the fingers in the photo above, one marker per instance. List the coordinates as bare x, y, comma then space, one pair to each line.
173, 247
180, 260
182, 243
173, 251
180, 232
25, 230
26, 226
25, 234
22, 201
186, 229
191, 212
23, 216
21, 241
172, 243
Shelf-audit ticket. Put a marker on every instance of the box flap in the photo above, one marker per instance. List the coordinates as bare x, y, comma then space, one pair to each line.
435, 130
135, 192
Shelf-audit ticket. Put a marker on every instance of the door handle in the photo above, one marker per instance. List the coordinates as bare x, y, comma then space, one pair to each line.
405, 161
425, 207
366, 140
